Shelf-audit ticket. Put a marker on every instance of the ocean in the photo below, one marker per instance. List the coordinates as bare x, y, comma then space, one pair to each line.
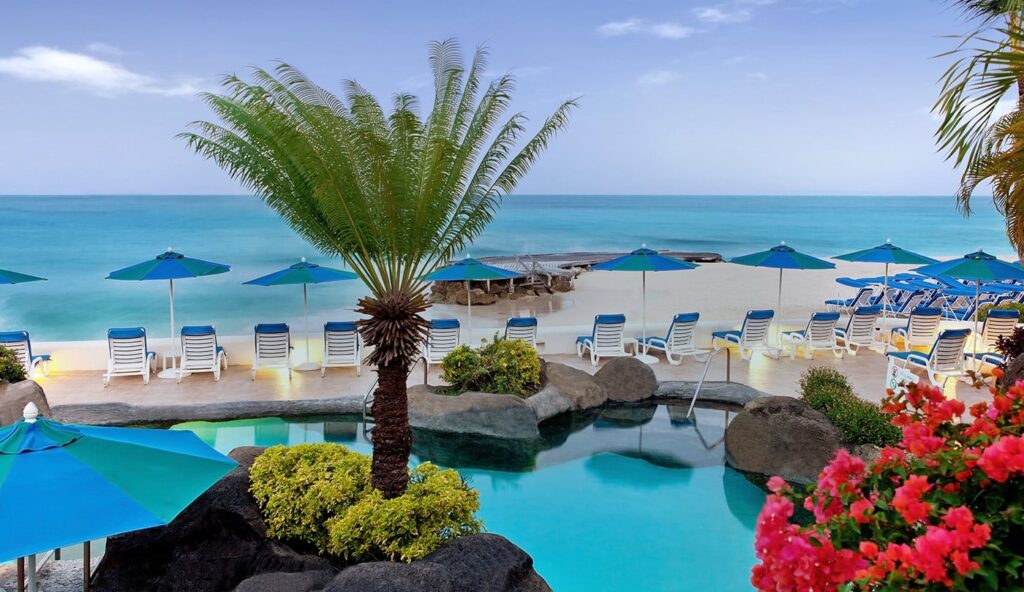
74, 241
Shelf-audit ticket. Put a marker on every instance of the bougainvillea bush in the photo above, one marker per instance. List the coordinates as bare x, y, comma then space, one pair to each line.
942, 510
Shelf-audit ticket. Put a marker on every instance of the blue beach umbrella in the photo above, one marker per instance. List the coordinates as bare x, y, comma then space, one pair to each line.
169, 266
469, 270
62, 484
304, 273
888, 254
644, 260
13, 277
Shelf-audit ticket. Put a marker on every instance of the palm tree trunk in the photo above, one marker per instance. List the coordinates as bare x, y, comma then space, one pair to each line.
392, 436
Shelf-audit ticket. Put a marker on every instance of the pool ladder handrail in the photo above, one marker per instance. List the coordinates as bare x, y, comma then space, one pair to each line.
704, 374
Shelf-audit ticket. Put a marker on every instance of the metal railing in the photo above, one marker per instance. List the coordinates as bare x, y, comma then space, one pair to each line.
368, 398
704, 374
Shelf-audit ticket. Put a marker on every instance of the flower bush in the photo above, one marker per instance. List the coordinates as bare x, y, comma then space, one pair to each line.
506, 366
320, 494
11, 369
941, 510
859, 421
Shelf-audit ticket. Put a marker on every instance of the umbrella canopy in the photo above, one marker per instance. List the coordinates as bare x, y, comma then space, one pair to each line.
468, 270
13, 277
782, 257
887, 253
303, 272
976, 266
64, 484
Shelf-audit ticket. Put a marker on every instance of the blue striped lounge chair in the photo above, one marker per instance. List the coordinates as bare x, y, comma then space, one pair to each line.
860, 329
607, 339
273, 348
442, 339
915, 300
753, 335
522, 328
921, 329
999, 323
944, 361
343, 347
20, 343
819, 334
864, 297
678, 342
200, 351
128, 354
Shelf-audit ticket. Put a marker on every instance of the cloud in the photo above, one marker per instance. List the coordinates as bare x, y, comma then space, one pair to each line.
88, 73
98, 47
711, 14
635, 26
657, 78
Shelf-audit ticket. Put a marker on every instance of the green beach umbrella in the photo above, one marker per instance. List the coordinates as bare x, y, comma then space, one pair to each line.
13, 277
888, 254
468, 270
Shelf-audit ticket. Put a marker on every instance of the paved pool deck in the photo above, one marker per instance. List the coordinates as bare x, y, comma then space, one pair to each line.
866, 372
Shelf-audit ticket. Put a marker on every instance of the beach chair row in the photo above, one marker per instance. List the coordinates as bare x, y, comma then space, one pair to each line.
957, 301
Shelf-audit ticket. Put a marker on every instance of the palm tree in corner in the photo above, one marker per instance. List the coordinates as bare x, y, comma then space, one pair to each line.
393, 194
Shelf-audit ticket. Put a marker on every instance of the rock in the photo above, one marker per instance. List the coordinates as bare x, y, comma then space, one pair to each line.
869, 453
719, 392
305, 581
575, 385
125, 414
480, 297
561, 283
627, 417
548, 402
477, 563
485, 414
627, 380
781, 436
14, 397
213, 545
1013, 372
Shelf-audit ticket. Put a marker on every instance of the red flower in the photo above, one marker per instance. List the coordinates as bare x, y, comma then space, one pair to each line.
907, 500
1003, 458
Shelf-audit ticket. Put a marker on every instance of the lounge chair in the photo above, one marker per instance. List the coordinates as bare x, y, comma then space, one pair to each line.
864, 297
944, 361
908, 305
921, 329
860, 329
753, 335
273, 343
607, 339
678, 342
21, 345
819, 334
343, 347
200, 352
442, 339
128, 354
1000, 322
524, 328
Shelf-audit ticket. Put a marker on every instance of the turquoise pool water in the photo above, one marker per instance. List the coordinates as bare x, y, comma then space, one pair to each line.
630, 500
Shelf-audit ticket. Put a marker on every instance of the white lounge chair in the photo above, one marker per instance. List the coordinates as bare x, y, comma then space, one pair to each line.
913, 301
921, 329
606, 340
864, 297
860, 329
678, 342
523, 328
753, 335
128, 354
819, 334
1000, 322
200, 352
21, 345
442, 339
273, 348
944, 361
343, 347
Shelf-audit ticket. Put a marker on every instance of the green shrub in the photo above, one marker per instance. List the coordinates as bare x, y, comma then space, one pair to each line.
983, 311
320, 494
859, 421
11, 369
506, 366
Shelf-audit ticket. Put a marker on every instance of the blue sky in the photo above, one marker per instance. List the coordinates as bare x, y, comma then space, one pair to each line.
678, 96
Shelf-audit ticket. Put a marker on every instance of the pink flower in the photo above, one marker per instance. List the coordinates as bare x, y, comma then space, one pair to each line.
907, 500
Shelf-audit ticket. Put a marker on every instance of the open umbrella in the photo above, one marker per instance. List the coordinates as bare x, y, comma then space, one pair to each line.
62, 484
644, 260
469, 270
169, 266
888, 254
782, 257
13, 277
304, 273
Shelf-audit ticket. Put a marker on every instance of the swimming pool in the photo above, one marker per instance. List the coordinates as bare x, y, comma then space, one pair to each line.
625, 499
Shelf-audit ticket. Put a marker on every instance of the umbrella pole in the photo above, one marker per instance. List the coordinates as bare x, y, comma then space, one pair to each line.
86, 565
643, 357
172, 371
308, 364
469, 313
885, 292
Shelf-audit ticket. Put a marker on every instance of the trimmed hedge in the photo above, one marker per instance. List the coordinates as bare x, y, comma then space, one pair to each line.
859, 421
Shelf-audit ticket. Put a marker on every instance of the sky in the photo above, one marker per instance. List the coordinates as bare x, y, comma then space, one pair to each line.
752, 97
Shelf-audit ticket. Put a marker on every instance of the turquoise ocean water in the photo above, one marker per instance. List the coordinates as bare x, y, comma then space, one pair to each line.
76, 240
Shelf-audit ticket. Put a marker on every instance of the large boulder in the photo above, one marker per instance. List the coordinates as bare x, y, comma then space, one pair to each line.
627, 380
580, 388
477, 563
480, 297
548, 402
483, 414
216, 543
14, 396
781, 436
302, 581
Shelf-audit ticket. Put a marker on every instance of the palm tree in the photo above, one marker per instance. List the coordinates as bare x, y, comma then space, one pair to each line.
989, 65
393, 194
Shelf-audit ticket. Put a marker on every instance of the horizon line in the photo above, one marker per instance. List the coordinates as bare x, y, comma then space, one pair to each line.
513, 195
